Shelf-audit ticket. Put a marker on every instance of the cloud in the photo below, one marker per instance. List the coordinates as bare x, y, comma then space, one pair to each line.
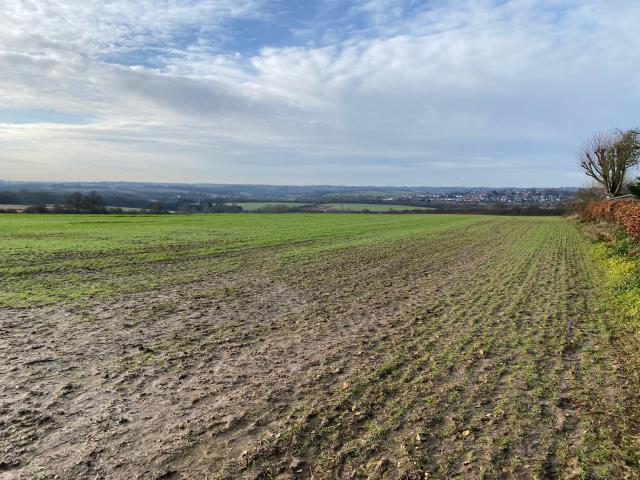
475, 92
101, 28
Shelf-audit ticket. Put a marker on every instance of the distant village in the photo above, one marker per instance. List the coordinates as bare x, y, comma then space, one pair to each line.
551, 198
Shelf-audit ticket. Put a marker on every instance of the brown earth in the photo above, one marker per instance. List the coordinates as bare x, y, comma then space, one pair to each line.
460, 355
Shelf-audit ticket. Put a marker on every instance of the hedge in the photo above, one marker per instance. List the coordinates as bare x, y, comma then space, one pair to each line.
624, 213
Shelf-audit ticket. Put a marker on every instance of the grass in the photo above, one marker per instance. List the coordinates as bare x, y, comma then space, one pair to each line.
47, 259
367, 345
252, 206
373, 207
618, 257
518, 306
356, 207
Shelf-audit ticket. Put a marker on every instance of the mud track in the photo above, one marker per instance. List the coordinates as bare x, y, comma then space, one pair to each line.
471, 353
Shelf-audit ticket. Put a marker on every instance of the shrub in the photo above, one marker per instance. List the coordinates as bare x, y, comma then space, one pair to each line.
624, 213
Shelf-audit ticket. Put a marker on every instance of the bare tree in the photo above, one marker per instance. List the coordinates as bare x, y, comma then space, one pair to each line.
584, 197
607, 159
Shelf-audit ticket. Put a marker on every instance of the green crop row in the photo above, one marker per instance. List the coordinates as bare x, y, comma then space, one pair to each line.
46, 259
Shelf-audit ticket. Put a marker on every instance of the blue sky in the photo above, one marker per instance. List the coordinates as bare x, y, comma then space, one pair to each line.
385, 92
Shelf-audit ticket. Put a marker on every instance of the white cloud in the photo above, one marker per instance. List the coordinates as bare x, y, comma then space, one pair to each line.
98, 28
503, 91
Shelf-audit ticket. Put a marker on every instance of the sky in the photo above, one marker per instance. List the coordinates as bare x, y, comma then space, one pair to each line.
360, 92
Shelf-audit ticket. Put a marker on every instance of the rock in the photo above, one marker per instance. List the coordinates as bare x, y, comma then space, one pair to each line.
466, 433
296, 464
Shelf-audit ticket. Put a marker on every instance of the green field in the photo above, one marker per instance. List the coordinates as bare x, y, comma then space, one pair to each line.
332, 346
252, 206
53, 258
373, 207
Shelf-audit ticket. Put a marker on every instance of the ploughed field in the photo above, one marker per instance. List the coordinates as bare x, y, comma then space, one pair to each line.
302, 346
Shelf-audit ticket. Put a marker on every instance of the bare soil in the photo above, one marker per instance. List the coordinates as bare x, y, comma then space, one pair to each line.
458, 355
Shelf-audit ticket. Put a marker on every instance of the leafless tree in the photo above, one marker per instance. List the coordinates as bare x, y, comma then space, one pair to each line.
608, 158
584, 197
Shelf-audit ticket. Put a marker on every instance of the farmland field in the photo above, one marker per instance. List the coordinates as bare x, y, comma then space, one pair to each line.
302, 345
373, 207
252, 206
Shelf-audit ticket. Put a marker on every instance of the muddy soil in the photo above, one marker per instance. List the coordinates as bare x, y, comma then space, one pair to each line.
468, 355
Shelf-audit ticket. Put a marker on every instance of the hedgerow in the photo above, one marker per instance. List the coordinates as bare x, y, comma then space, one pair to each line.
624, 213
618, 306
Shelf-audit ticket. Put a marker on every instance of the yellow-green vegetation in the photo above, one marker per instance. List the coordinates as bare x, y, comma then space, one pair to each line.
324, 346
619, 307
622, 285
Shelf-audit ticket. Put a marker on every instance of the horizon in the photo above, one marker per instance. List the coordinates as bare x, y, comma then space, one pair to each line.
334, 185
330, 92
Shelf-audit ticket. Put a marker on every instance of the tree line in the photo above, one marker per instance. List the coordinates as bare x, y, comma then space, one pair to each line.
74, 203
92, 202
